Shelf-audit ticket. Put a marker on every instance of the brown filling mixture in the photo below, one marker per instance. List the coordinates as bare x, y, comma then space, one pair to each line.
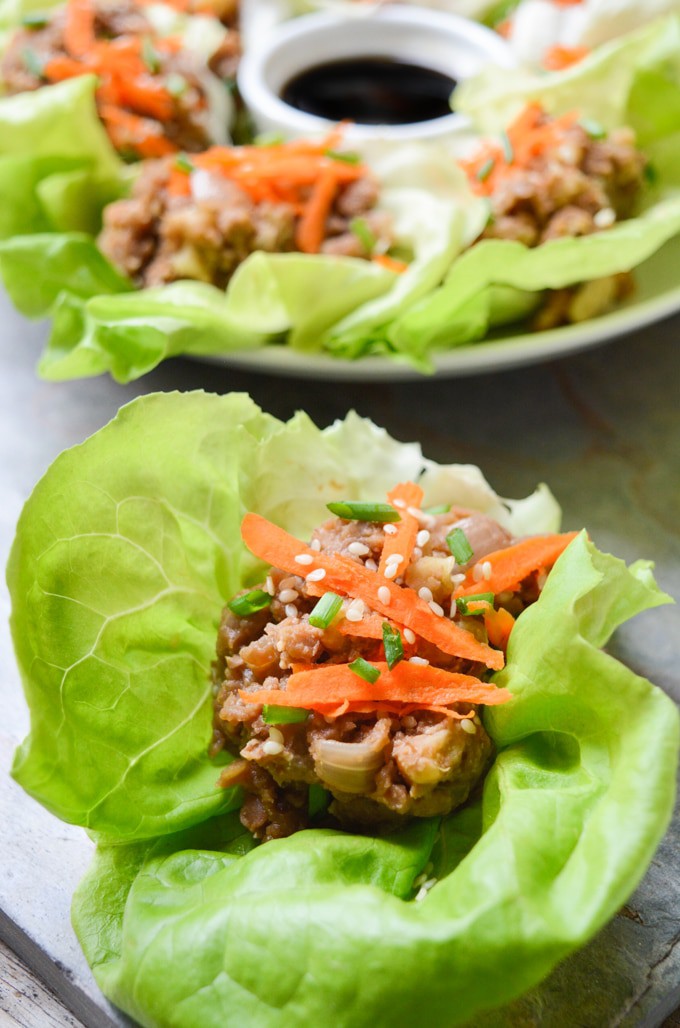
377, 767
156, 237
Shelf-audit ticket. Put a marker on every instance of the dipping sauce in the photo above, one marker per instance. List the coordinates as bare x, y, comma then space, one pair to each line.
370, 91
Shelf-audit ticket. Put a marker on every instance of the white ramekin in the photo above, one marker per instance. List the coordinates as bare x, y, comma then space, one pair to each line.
433, 39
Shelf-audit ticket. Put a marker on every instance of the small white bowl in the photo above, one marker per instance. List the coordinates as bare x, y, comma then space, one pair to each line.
431, 39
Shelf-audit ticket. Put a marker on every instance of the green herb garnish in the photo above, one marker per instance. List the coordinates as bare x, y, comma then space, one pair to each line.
269, 139
508, 151
459, 544
486, 169
150, 56
326, 610
182, 163
176, 84
345, 156
249, 603
362, 230
593, 128
35, 20
364, 670
32, 62
273, 715
356, 510
394, 647
463, 603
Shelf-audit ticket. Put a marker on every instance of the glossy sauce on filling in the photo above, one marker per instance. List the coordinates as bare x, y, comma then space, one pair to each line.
370, 91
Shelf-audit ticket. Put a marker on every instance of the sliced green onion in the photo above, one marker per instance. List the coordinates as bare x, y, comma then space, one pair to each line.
362, 230
182, 163
593, 128
273, 715
508, 151
463, 603
249, 603
150, 56
365, 670
651, 175
345, 156
394, 647
356, 510
35, 20
269, 139
486, 169
32, 62
442, 508
326, 610
176, 84
459, 544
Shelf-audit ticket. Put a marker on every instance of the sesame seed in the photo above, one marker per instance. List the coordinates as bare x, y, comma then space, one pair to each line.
291, 611
384, 594
436, 608
409, 721
389, 529
351, 614
425, 594
409, 636
399, 503
468, 726
269, 586
304, 558
316, 575
421, 894
280, 645
457, 579
276, 735
315, 545
288, 595
423, 537
420, 880
415, 512
358, 549
371, 565
417, 553
395, 558
271, 748
604, 218
477, 573
391, 571
487, 570
422, 661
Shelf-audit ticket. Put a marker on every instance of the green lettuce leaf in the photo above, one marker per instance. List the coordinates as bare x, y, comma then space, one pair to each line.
124, 557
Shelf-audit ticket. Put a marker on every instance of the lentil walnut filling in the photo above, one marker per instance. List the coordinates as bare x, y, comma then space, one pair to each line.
395, 760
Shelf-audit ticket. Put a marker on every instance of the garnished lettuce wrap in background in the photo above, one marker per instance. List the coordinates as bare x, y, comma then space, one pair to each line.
124, 556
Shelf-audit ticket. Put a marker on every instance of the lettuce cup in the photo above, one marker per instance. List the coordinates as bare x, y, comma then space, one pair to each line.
125, 556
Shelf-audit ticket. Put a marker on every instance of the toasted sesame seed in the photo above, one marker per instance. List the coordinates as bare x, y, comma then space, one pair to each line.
468, 726
276, 735
417, 553
280, 645
487, 570
288, 595
477, 573
269, 586
458, 579
418, 660
291, 610
384, 594
391, 571
271, 748
304, 558
395, 558
399, 503
420, 895
351, 614
316, 575
409, 636
420, 880
389, 529
315, 545
605, 217
425, 594
358, 549
436, 608
423, 537
371, 565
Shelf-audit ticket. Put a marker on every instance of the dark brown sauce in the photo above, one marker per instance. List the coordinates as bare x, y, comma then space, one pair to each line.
370, 91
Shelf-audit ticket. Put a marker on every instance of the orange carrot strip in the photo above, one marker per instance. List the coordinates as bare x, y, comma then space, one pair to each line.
312, 225
557, 58
391, 263
79, 37
405, 683
348, 578
399, 709
499, 624
403, 496
146, 98
59, 68
370, 627
512, 564
129, 130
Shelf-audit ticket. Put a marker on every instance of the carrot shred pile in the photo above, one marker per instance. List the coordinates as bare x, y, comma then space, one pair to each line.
131, 98
528, 137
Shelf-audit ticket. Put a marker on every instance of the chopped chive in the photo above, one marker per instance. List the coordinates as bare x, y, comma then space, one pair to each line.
229, 85
273, 715
269, 139
35, 20
182, 163
249, 603
459, 544
356, 510
362, 230
32, 62
365, 670
176, 84
441, 508
463, 603
508, 151
150, 56
345, 156
485, 170
326, 610
394, 647
651, 175
593, 128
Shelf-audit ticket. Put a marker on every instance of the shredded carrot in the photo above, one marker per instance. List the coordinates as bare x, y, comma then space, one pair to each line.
130, 131
499, 624
391, 263
405, 683
402, 542
79, 35
511, 565
344, 576
557, 58
146, 97
311, 228
59, 68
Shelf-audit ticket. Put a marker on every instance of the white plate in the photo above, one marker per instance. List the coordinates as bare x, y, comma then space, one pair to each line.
656, 296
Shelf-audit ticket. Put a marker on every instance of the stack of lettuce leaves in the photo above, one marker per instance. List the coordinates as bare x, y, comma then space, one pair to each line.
124, 556
57, 170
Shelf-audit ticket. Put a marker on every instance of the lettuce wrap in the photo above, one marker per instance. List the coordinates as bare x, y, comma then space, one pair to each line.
124, 556
56, 182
